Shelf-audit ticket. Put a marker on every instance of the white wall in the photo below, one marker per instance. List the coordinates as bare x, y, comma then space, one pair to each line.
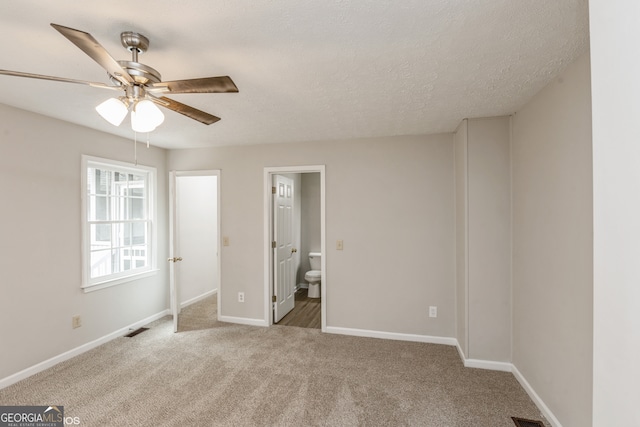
197, 236
552, 245
615, 81
390, 199
40, 256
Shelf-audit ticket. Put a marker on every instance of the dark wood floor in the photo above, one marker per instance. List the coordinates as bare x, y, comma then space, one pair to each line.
306, 313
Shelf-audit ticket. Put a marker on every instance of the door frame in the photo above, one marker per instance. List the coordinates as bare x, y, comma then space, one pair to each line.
268, 251
174, 304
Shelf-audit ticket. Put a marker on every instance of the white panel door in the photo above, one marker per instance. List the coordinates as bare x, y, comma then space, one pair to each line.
173, 257
283, 233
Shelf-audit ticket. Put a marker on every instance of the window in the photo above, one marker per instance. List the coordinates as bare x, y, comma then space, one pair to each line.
118, 222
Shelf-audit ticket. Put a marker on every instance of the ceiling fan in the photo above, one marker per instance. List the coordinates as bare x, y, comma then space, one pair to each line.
142, 85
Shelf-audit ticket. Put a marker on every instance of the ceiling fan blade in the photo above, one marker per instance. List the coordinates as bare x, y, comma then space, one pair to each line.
91, 47
57, 79
185, 110
222, 84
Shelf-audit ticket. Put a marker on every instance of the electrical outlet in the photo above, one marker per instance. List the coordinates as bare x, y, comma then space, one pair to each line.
339, 245
240, 296
225, 241
76, 322
433, 311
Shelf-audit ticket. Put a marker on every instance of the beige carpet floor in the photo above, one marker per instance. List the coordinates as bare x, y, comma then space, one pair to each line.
221, 374
201, 315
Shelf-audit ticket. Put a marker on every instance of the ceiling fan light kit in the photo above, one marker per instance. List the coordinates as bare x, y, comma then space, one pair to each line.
143, 85
113, 110
145, 116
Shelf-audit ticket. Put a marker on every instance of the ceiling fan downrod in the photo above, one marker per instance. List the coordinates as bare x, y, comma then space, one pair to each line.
135, 43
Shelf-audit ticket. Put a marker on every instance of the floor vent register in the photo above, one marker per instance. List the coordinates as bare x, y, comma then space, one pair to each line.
521, 422
136, 332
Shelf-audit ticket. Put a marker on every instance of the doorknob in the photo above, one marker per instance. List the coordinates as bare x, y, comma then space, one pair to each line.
174, 259
294, 250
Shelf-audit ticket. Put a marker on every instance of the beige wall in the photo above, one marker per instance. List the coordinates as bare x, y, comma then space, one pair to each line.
483, 238
392, 202
40, 256
552, 245
462, 322
489, 239
616, 176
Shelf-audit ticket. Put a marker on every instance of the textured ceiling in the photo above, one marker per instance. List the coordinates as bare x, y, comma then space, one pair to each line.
306, 70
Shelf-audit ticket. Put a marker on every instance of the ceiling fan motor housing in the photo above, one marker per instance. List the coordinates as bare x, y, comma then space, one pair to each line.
141, 73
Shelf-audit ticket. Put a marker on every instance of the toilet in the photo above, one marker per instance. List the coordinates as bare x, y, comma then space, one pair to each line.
314, 276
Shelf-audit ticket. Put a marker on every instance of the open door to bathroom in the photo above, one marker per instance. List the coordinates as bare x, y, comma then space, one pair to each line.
284, 271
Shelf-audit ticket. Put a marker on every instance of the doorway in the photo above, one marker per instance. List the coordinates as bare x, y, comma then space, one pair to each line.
284, 257
194, 231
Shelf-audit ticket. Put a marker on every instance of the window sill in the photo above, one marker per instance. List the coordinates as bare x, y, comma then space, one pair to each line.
118, 281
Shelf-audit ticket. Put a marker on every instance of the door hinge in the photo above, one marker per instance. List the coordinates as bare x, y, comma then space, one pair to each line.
273, 190
273, 299
273, 244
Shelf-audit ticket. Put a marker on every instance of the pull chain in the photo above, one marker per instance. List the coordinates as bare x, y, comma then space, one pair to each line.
135, 148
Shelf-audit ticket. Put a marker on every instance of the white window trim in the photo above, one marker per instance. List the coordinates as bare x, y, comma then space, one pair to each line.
87, 284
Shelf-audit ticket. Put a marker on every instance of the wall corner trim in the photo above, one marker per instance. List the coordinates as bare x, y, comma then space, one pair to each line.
391, 335
26, 373
546, 412
243, 321
460, 352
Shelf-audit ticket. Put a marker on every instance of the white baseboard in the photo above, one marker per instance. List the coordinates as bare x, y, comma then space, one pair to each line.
243, 321
198, 298
488, 364
546, 412
303, 285
391, 335
25, 373
483, 364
